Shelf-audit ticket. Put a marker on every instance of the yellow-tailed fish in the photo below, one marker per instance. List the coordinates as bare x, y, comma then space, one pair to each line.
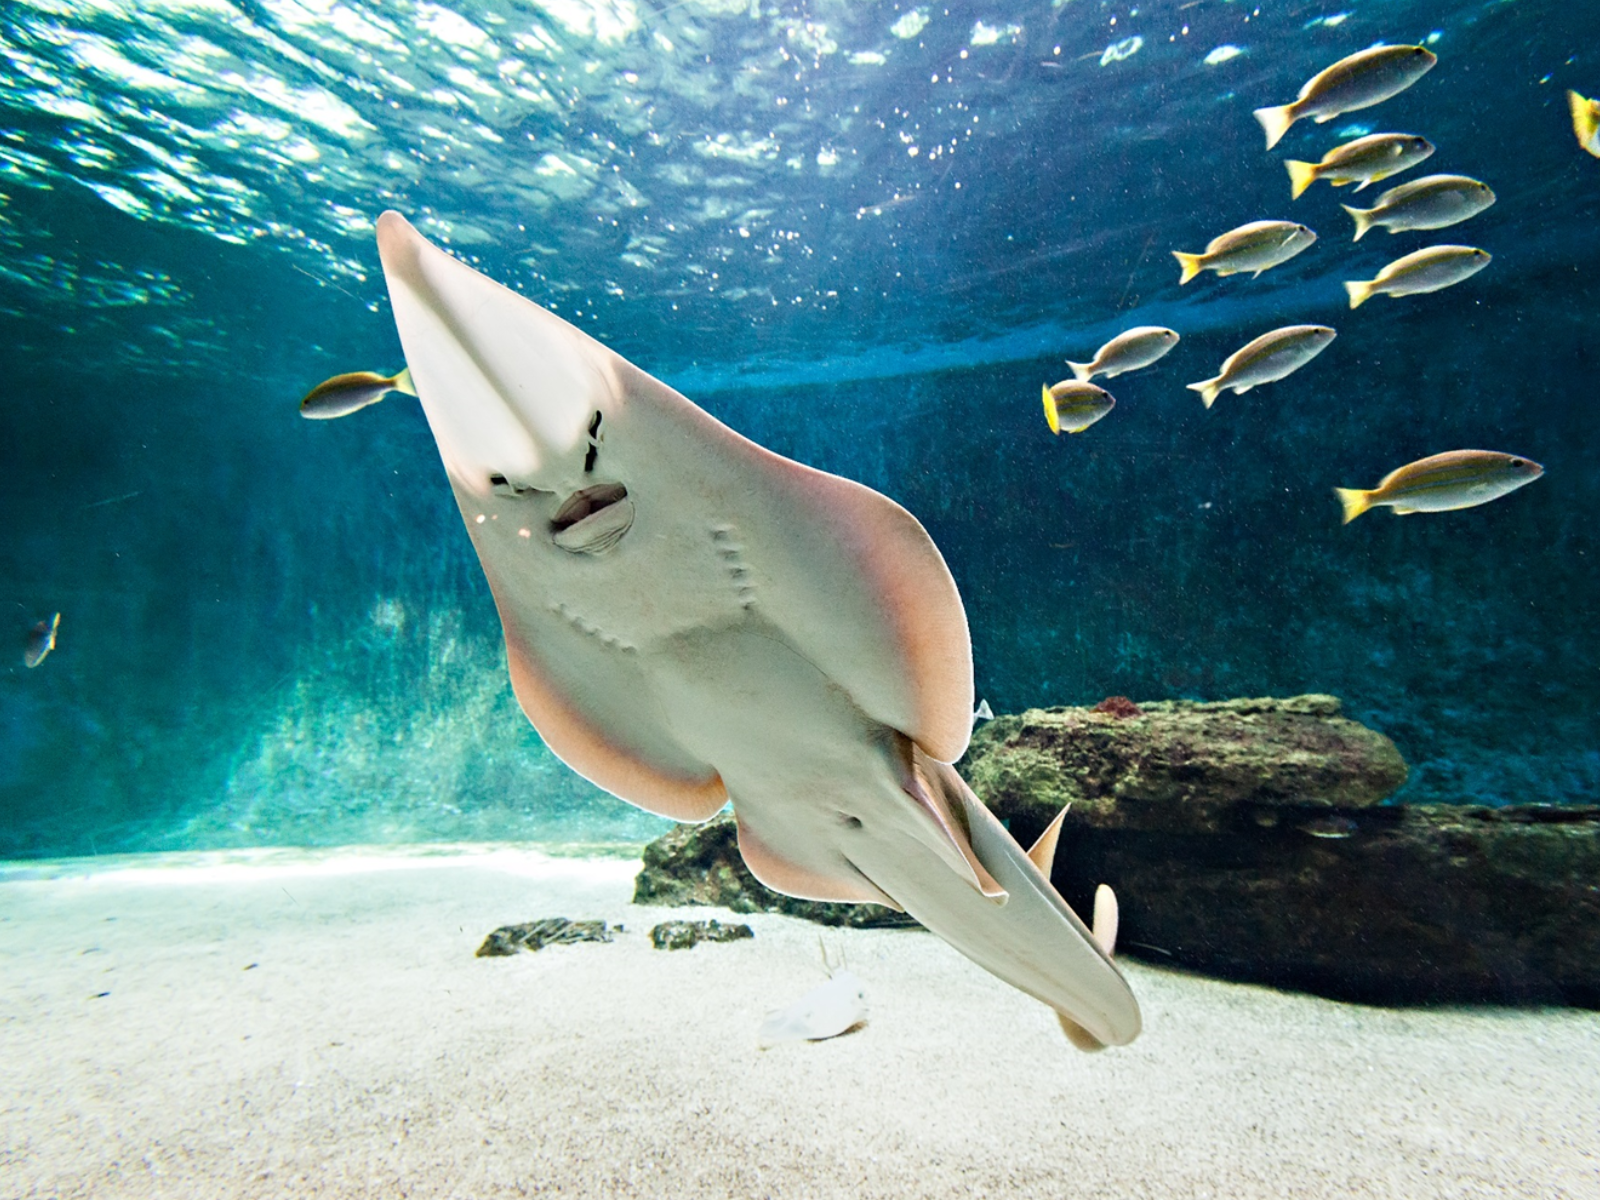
1585, 121
1358, 81
1074, 405
1363, 161
1443, 482
1137, 347
1254, 247
1268, 358
41, 640
345, 394
1426, 270
1432, 202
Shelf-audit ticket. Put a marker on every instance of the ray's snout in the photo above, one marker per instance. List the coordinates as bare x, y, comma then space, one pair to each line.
510, 389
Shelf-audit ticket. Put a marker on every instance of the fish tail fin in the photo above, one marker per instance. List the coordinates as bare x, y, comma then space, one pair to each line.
1360, 292
1355, 502
1362, 217
1584, 119
1190, 264
402, 382
1276, 122
1082, 372
1052, 414
1208, 389
1301, 176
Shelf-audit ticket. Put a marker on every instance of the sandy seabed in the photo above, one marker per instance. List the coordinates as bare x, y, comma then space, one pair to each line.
289, 1024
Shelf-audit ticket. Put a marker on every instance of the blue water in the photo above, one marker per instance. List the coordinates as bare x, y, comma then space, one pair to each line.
863, 235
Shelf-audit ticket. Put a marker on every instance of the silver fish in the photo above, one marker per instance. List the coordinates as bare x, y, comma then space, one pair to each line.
1074, 405
351, 392
1255, 247
1128, 351
1427, 270
41, 640
1363, 161
1443, 483
1359, 81
1432, 202
1585, 121
1269, 357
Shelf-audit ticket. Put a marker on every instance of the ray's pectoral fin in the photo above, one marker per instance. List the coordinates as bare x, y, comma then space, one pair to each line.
682, 795
940, 790
848, 886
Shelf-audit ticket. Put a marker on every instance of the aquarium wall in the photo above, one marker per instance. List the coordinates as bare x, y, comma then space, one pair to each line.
863, 235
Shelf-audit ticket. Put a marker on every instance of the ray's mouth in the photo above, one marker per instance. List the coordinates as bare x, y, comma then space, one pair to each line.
593, 519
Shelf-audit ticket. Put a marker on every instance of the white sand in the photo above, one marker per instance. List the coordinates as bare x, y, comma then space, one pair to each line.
368, 1053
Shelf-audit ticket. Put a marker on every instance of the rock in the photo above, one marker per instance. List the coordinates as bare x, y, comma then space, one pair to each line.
700, 864
1381, 905
1245, 840
684, 935
1177, 763
535, 935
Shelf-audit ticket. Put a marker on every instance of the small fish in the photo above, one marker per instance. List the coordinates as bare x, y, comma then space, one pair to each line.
1363, 161
345, 394
1585, 122
1332, 827
826, 1011
1270, 357
1359, 81
1254, 247
41, 640
1421, 271
1138, 347
1443, 482
1432, 202
1074, 405
983, 712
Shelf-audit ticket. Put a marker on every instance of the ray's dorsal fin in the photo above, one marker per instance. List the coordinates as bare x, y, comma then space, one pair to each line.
1106, 918
1043, 851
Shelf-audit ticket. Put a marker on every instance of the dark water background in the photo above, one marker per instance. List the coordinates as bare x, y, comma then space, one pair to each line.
274, 630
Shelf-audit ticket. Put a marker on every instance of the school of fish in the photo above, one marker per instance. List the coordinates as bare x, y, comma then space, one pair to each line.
1443, 482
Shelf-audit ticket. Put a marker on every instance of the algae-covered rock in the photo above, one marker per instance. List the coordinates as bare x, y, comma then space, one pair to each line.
1395, 904
535, 935
700, 864
1175, 764
686, 935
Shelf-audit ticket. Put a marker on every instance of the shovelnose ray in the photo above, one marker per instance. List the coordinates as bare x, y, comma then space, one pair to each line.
691, 619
